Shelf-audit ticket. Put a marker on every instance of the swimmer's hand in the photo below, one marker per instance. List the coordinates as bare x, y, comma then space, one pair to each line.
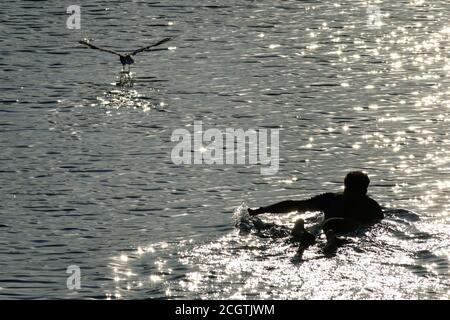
254, 212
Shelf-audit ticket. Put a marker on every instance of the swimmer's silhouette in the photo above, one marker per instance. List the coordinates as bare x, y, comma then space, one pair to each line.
125, 59
344, 212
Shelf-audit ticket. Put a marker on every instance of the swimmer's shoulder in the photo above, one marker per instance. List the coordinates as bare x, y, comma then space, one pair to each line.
325, 201
327, 196
375, 208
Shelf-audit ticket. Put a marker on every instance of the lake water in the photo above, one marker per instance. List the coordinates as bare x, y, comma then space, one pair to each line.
86, 172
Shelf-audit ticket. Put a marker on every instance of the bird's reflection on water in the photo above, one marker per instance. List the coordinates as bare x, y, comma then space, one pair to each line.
125, 80
126, 95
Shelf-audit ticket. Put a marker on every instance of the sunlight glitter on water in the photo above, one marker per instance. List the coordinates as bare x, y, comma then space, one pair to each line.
86, 165
243, 265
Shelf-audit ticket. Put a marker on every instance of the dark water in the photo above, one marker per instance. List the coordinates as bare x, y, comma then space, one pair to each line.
87, 178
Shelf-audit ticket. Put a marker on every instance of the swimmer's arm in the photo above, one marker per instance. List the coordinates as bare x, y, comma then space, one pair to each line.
286, 207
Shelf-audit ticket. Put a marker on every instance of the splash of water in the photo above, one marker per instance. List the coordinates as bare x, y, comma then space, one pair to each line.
125, 80
389, 260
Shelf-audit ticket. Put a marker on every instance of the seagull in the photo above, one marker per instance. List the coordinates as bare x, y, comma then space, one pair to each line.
125, 59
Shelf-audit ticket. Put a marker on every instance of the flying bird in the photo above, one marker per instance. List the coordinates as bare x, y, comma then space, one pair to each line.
125, 59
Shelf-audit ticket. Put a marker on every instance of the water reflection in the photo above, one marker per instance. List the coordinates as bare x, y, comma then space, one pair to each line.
125, 96
398, 259
79, 186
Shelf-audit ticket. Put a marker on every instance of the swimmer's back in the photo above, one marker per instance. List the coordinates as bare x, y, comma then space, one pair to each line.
337, 205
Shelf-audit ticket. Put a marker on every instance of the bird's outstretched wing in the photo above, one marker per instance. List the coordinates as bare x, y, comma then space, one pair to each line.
151, 46
90, 45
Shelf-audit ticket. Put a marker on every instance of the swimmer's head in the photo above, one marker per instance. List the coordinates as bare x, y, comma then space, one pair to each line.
356, 183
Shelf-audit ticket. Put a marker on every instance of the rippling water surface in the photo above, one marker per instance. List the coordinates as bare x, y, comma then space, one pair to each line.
87, 178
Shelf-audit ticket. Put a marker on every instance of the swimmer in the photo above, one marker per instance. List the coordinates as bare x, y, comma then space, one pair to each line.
343, 212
